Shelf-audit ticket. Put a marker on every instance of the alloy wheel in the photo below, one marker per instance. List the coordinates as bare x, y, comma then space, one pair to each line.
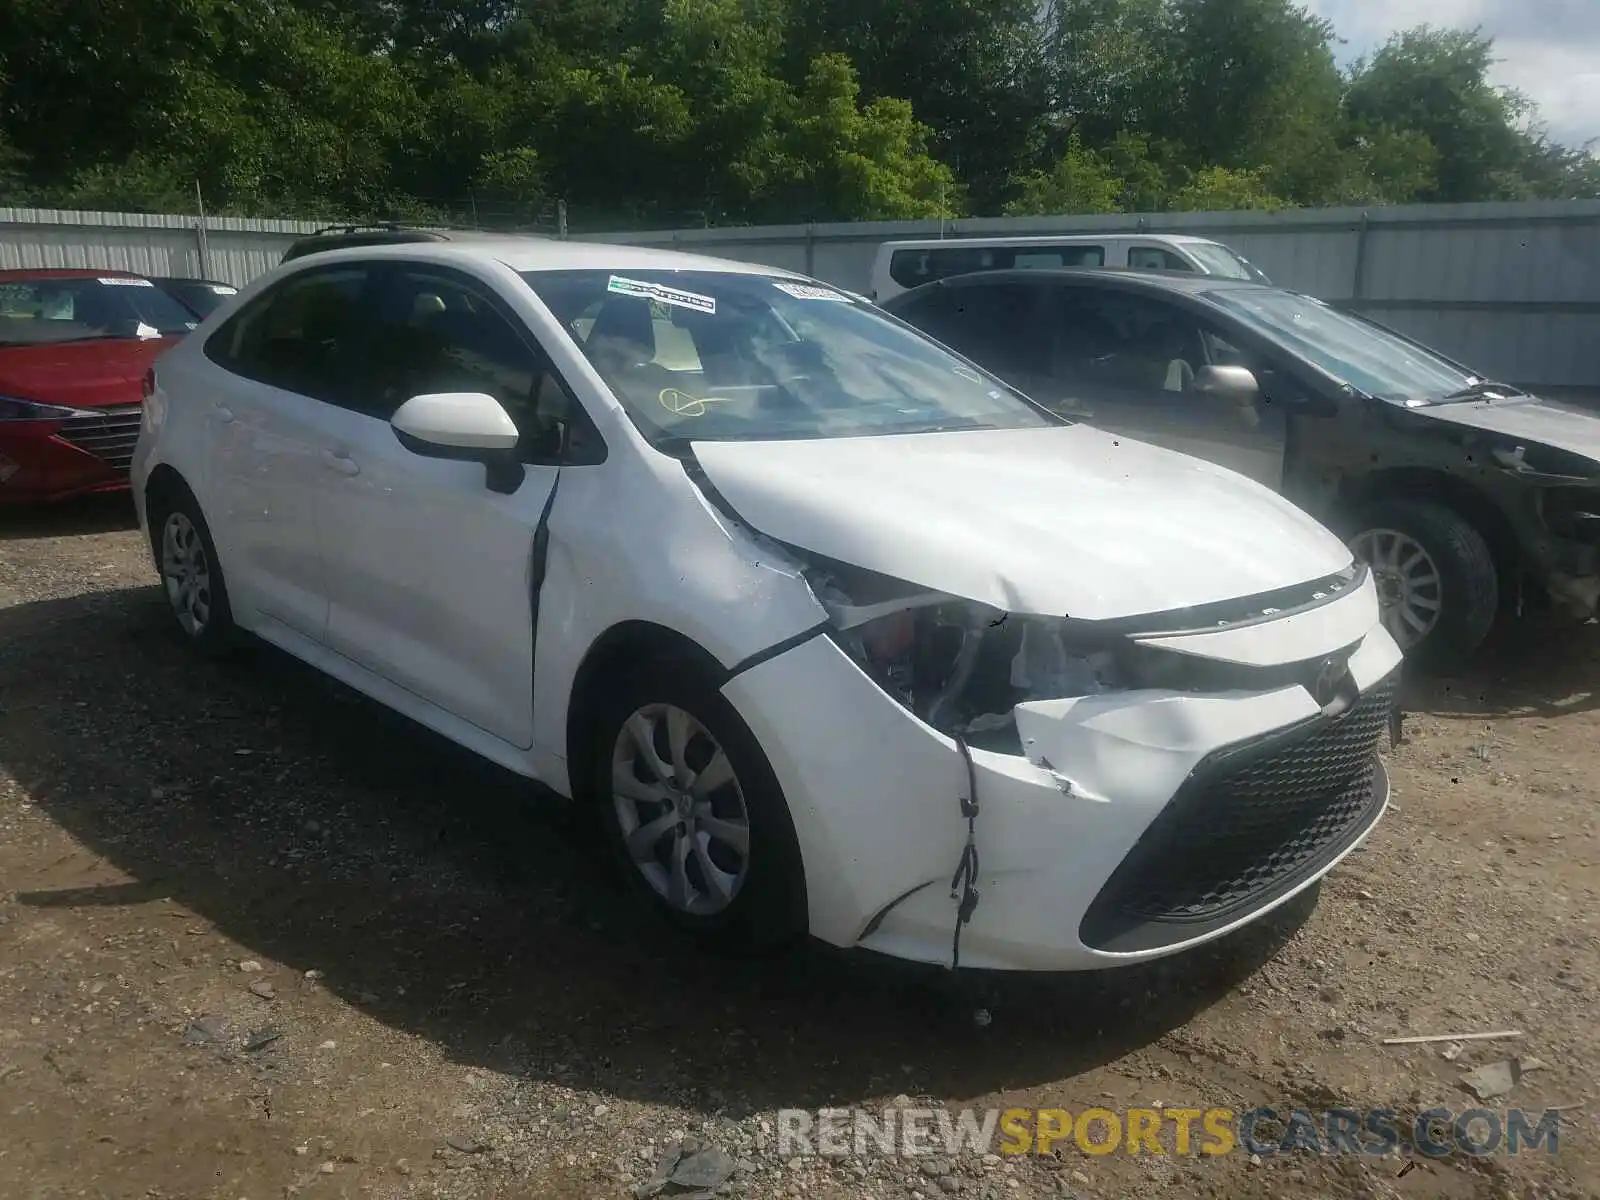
1410, 590
681, 809
186, 572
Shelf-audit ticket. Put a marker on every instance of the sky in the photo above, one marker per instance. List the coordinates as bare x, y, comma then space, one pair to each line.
1550, 48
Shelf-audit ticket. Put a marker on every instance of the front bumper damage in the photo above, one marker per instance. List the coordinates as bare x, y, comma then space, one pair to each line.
1559, 534
1134, 824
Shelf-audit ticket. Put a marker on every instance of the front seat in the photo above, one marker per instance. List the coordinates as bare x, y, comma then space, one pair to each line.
623, 334
1169, 345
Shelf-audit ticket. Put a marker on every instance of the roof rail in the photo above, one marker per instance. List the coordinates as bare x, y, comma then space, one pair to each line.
386, 226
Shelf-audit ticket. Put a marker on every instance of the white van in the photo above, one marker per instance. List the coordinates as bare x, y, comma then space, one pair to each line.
901, 266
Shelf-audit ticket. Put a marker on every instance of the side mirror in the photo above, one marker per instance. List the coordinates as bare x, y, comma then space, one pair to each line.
1235, 384
466, 427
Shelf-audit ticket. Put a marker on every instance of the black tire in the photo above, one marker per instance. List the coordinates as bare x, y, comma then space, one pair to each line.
768, 907
217, 636
1469, 582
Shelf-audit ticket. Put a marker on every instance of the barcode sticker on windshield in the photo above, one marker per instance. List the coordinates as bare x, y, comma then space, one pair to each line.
122, 281
807, 291
657, 291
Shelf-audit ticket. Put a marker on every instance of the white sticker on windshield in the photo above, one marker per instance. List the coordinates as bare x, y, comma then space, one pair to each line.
808, 291
657, 291
123, 281
223, 289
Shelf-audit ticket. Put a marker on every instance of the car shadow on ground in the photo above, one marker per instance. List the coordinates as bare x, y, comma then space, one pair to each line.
436, 893
1539, 667
108, 513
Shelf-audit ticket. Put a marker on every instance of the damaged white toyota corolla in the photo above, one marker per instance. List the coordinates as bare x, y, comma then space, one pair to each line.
816, 615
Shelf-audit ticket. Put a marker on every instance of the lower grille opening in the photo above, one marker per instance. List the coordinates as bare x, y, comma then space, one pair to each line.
109, 434
1251, 822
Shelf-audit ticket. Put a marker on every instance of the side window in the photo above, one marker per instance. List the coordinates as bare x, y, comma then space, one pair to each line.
931, 313
1074, 256
436, 331
912, 268
998, 326
1154, 258
304, 335
1279, 384
1124, 340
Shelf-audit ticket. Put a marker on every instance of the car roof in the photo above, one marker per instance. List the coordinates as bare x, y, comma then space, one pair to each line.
1181, 282
522, 253
26, 273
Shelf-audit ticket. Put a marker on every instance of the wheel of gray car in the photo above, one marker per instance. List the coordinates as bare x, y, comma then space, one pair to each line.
1438, 587
191, 576
694, 814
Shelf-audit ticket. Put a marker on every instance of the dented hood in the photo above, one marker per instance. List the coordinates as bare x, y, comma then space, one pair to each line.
1065, 521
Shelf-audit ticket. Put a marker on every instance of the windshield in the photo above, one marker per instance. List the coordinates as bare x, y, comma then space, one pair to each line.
1354, 351
1218, 260
40, 311
199, 297
722, 356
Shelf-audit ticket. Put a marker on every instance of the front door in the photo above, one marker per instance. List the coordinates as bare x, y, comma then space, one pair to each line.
429, 571
1127, 363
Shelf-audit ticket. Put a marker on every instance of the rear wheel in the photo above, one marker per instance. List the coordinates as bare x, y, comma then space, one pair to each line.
1438, 587
190, 574
693, 812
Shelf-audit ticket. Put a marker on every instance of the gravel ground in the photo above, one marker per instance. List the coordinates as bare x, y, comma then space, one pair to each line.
260, 938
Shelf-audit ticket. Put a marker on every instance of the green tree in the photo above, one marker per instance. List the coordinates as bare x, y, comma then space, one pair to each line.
860, 162
1080, 182
1247, 83
1218, 189
972, 70
659, 112
1435, 83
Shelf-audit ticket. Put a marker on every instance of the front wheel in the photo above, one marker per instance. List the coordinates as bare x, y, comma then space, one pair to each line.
1438, 588
694, 814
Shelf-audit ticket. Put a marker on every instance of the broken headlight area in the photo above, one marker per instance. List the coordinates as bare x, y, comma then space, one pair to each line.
959, 666
1572, 513
963, 667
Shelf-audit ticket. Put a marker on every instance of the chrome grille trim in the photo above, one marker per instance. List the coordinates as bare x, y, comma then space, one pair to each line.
108, 433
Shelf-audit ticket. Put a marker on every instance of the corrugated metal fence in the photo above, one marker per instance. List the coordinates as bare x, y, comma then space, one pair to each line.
228, 249
1513, 289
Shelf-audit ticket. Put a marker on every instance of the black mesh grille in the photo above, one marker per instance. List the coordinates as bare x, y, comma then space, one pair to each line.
1250, 822
109, 434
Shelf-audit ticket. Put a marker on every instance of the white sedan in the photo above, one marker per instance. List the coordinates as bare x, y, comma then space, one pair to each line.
816, 614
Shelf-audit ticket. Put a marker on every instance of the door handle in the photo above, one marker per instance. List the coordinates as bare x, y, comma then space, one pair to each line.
224, 414
341, 462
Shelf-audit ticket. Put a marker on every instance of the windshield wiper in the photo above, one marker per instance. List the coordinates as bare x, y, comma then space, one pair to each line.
1483, 387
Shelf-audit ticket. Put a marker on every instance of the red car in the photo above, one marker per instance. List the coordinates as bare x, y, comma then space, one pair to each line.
74, 349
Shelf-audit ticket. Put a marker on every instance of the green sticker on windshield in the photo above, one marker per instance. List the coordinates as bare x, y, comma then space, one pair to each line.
646, 290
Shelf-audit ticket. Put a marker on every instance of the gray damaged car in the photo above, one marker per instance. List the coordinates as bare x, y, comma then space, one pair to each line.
1469, 499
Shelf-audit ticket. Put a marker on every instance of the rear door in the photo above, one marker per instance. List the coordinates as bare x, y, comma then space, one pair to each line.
282, 361
1002, 325
1127, 362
